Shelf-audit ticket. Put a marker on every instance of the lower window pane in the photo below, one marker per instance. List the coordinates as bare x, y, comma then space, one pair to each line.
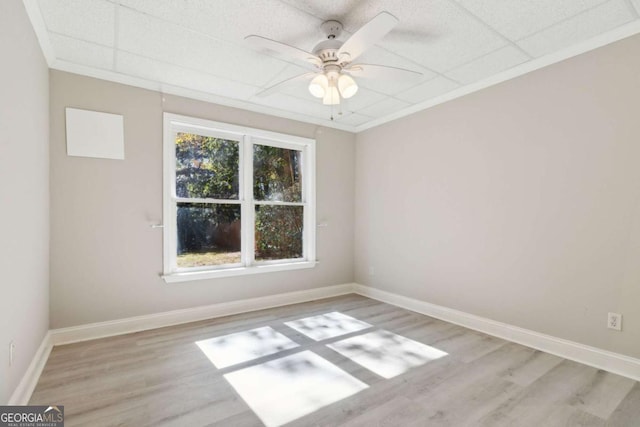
208, 234
278, 232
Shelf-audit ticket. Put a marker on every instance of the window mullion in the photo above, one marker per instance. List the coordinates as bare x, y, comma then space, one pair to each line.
169, 204
248, 211
207, 201
277, 203
309, 198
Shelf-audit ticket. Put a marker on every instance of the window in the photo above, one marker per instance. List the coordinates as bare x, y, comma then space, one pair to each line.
237, 200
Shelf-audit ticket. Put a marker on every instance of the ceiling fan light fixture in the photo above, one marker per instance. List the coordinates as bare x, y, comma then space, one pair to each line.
319, 85
332, 97
348, 87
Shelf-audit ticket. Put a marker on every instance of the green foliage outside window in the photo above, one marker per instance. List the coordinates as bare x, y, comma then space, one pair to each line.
208, 167
276, 177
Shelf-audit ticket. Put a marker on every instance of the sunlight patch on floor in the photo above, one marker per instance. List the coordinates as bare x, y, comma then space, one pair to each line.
385, 353
243, 346
327, 325
282, 390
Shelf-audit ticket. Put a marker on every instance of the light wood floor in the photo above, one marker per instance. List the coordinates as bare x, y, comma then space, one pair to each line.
161, 377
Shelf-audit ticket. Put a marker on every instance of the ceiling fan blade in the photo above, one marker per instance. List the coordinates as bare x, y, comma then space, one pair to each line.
368, 35
290, 51
382, 72
276, 87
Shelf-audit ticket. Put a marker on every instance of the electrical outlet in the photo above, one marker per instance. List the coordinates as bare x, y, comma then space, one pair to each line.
614, 321
12, 349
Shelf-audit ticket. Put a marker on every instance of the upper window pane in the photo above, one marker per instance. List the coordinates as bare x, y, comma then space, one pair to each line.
206, 167
277, 174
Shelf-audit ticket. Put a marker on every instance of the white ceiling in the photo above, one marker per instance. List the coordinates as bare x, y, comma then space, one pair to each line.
196, 47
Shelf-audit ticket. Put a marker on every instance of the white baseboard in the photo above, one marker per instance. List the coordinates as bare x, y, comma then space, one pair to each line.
23, 392
175, 317
592, 356
598, 358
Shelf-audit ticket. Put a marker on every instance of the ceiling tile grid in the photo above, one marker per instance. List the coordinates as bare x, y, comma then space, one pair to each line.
89, 20
386, 106
147, 36
234, 20
605, 17
488, 65
363, 98
167, 73
353, 119
428, 90
451, 36
82, 52
525, 17
285, 102
199, 46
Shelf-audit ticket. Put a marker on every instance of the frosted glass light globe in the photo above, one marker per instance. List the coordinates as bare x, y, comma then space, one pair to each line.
318, 86
347, 86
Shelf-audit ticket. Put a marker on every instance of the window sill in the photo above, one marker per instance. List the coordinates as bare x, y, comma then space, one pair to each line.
239, 271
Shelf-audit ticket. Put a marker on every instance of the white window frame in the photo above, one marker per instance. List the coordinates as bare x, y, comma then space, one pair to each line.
246, 137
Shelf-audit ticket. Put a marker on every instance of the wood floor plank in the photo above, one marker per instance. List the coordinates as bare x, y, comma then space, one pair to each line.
466, 406
398, 411
531, 406
564, 415
628, 412
162, 377
529, 370
603, 394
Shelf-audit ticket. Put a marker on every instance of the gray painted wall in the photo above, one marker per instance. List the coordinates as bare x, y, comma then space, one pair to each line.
106, 261
24, 194
520, 203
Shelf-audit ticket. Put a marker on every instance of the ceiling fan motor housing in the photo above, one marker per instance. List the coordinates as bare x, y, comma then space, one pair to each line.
332, 29
327, 50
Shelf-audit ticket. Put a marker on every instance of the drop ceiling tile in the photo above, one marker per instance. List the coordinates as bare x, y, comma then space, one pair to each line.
378, 55
234, 20
388, 86
427, 90
579, 28
363, 98
438, 34
488, 65
199, 44
299, 88
519, 18
147, 36
325, 10
381, 56
81, 52
384, 107
90, 20
293, 104
138, 66
353, 119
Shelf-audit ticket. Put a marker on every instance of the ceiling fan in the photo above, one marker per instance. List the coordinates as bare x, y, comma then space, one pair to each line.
331, 60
